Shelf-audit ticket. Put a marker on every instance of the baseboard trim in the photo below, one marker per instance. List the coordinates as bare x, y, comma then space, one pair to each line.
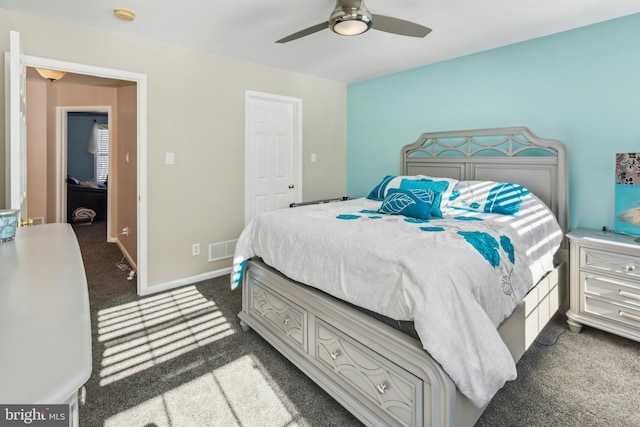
186, 281
127, 255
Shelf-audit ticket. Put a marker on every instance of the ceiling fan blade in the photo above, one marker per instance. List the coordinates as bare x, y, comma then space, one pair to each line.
307, 31
399, 26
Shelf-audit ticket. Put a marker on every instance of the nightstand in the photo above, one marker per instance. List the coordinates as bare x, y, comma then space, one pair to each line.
604, 282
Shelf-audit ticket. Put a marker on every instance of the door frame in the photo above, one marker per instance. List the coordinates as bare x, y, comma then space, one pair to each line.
15, 126
297, 144
62, 115
141, 146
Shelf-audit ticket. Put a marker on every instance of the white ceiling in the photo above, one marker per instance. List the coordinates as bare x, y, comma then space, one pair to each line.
247, 29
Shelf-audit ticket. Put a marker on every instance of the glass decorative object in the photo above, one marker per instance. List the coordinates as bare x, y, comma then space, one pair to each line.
8, 224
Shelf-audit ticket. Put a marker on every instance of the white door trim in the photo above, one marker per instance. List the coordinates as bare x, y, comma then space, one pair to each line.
141, 85
297, 144
15, 126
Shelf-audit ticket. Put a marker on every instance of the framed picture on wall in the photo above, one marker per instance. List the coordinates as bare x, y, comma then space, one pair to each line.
627, 194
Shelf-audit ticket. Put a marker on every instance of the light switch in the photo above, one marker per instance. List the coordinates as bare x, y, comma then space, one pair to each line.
313, 158
169, 158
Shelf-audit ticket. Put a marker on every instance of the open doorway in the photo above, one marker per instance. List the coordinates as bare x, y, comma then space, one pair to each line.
53, 156
132, 120
90, 151
88, 155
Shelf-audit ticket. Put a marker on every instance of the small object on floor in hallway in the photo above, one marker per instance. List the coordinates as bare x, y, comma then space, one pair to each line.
84, 215
124, 267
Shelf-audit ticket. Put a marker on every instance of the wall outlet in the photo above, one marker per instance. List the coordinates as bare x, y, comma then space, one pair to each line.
195, 249
169, 158
125, 231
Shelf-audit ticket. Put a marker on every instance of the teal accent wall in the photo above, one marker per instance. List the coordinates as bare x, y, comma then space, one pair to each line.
581, 87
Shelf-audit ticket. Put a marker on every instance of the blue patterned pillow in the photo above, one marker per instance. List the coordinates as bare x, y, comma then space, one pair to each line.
438, 187
379, 192
446, 195
489, 197
414, 203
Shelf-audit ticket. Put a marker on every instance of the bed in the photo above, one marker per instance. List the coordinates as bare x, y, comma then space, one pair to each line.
87, 197
393, 354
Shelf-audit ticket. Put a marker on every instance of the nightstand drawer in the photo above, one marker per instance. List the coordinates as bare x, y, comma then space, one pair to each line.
599, 260
611, 287
609, 310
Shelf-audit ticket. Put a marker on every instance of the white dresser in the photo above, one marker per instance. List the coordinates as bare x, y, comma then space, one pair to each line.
45, 325
605, 282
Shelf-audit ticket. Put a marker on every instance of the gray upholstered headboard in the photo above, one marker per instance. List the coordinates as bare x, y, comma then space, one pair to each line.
513, 155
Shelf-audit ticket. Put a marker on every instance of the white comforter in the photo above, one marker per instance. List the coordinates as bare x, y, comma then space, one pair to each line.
457, 279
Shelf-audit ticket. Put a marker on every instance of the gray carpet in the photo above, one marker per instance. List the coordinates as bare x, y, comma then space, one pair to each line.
180, 359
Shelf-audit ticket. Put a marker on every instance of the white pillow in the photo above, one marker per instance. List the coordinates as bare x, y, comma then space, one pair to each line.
488, 196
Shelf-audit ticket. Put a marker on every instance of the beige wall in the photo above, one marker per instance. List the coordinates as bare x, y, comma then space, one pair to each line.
125, 155
196, 110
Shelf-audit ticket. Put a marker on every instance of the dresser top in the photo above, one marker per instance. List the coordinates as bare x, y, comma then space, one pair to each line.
605, 237
45, 325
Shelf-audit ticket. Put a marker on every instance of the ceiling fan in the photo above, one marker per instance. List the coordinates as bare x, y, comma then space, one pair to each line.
351, 17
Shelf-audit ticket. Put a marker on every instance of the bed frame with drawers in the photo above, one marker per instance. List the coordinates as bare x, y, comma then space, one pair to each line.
381, 375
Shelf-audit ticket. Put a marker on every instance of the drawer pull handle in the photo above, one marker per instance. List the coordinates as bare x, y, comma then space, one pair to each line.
334, 354
630, 267
628, 295
628, 316
263, 302
381, 388
286, 320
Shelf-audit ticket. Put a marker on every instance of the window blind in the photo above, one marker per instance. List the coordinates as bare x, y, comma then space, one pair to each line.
102, 155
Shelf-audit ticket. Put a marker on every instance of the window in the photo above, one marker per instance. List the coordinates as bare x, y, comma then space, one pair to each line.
101, 154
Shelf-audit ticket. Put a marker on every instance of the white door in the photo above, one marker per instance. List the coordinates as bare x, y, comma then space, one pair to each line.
273, 141
16, 123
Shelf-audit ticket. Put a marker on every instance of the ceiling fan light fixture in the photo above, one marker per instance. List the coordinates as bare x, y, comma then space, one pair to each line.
351, 27
51, 75
351, 17
350, 21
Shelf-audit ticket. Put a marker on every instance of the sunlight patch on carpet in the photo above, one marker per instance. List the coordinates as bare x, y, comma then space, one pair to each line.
145, 333
238, 393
